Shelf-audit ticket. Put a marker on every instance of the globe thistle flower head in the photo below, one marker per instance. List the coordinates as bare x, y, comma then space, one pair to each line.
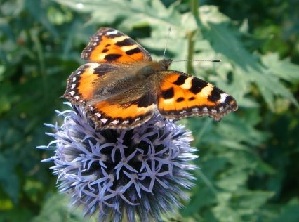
122, 174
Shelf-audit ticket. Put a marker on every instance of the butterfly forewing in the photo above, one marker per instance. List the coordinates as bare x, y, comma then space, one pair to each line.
181, 95
83, 83
111, 45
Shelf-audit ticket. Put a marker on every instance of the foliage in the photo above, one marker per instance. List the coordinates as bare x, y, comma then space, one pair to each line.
248, 161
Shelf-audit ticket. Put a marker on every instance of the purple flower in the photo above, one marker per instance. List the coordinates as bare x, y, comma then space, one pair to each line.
138, 173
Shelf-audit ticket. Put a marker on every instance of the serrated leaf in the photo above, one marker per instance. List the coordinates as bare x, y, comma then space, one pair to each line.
129, 13
283, 69
246, 67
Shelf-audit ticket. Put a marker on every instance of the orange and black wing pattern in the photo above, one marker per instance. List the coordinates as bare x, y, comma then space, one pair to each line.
112, 46
114, 114
181, 95
83, 84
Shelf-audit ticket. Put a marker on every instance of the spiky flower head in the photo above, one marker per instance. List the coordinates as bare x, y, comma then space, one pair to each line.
122, 174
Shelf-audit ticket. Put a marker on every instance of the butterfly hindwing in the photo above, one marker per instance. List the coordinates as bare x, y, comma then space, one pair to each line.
113, 46
119, 112
181, 95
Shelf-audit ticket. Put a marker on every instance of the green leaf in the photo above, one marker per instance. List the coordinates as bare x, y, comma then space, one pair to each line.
283, 69
289, 212
246, 67
9, 182
56, 209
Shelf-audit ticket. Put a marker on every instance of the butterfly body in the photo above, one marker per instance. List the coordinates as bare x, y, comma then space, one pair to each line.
122, 87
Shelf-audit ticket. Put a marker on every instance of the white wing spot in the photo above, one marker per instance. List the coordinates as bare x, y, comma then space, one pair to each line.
112, 32
222, 97
116, 121
205, 109
72, 93
195, 110
97, 114
104, 120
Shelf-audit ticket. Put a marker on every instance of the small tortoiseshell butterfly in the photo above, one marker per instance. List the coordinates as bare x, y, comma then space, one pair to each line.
122, 87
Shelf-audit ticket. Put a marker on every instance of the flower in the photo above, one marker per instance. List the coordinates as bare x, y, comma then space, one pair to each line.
142, 172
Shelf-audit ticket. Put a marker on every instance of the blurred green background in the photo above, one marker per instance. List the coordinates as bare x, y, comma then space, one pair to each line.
249, 161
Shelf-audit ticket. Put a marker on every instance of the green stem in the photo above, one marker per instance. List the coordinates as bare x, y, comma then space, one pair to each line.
190, 36
194, 4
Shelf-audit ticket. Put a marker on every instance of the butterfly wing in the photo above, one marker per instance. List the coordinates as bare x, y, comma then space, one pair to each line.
83, 84
113, 46
121, 112
104, 86
110, 106
181, 95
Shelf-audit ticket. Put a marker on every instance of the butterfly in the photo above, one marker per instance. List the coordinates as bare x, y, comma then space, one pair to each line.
121, 87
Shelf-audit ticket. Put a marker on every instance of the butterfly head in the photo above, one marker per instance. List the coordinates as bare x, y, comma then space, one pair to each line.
165, 63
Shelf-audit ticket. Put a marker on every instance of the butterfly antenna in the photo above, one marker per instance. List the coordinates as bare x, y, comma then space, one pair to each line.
166, 43
199, 60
